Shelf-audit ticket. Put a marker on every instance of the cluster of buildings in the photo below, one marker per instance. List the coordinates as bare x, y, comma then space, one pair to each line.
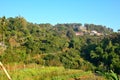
82, 31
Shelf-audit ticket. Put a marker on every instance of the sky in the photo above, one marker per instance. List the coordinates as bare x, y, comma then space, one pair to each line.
99, 12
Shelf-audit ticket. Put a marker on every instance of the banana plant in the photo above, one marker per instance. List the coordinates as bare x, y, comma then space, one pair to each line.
109, 75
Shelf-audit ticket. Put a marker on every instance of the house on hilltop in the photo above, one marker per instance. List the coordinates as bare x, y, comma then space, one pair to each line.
79, 33
82, 28
94, 32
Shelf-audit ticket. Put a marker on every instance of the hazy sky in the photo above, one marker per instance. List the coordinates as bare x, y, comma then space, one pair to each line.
103, 12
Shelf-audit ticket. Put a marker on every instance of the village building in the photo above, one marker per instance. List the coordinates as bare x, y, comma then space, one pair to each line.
79, 33
94, 32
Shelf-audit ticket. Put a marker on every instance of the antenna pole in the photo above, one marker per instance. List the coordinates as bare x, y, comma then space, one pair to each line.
5, 71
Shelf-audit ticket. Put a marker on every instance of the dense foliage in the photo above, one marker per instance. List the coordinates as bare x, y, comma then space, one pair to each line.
106, 54
45, 44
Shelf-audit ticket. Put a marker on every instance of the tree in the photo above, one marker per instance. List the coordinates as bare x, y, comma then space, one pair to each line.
70, 34
3, 24
118, 30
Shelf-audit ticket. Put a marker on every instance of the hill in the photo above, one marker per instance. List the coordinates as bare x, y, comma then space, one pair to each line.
58, 45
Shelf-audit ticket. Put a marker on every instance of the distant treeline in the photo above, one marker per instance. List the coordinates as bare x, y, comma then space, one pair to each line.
89, 27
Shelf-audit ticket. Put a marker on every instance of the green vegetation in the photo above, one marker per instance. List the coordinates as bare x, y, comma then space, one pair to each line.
109, 75
48, 73
95, 48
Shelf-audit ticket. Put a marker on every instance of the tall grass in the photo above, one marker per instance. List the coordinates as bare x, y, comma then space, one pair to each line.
47, 73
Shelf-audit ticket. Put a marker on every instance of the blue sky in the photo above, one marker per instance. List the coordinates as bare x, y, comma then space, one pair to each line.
103, 12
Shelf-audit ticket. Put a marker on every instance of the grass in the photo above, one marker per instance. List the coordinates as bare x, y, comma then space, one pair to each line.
36, 72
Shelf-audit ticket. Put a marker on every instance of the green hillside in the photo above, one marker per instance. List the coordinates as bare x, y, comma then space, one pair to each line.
58, 46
